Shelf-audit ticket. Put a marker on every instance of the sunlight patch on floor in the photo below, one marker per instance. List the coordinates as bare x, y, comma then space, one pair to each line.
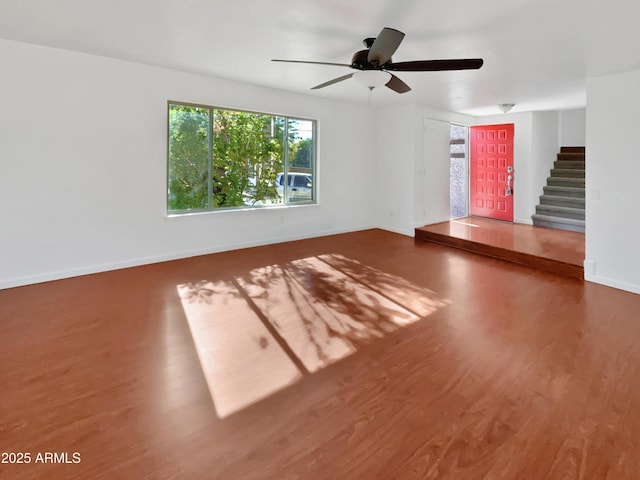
262, 331
460, 222
240, 360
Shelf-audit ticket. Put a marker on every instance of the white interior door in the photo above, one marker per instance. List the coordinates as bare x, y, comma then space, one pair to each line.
432, 179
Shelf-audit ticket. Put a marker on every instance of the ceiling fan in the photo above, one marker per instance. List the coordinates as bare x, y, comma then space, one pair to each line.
377, 57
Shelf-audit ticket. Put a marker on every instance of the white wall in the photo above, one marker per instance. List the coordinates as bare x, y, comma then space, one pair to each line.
396, 137
83, 166
545, 147
433, 204
613, 172
413, 166
573, 127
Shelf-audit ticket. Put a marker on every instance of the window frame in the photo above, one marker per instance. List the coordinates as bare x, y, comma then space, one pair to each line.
287, 203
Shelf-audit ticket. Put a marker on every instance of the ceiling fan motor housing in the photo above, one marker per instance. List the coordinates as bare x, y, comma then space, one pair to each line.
359, 61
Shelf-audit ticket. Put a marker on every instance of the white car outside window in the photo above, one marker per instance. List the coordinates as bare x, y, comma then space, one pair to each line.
299, 186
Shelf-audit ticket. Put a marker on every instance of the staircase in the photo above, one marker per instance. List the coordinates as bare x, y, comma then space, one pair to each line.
562, 204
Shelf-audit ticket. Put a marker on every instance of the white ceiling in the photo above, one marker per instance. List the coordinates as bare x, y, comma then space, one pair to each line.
538, 53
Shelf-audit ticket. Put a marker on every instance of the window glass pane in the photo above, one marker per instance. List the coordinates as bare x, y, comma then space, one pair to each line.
188, 157
221, 158
458, 188
459, 180
247, 156
300, 160
458, 132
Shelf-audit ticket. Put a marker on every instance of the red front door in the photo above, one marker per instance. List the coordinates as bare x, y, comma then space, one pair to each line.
491, 160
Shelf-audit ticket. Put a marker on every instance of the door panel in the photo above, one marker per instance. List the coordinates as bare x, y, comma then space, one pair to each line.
491, 148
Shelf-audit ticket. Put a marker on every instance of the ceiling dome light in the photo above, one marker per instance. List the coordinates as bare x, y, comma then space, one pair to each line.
506, 107
372, 78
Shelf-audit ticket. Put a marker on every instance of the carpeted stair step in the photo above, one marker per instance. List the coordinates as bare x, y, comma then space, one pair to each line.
550, 221
565, 182
569, 164
560, 191
564, 212
561, 201
567, 173
571, 156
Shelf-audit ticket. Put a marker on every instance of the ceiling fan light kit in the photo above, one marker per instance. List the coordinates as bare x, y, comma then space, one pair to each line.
375, 61
372, 78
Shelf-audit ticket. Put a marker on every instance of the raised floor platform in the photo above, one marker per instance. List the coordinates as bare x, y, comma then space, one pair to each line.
555, 251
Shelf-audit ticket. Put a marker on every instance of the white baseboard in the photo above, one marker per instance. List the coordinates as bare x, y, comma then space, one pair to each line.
590, 275
526, 221
589, 268
407, 232
610, 282
136, 262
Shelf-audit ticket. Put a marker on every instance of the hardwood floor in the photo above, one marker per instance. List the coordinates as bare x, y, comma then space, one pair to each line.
551, 250
359, 356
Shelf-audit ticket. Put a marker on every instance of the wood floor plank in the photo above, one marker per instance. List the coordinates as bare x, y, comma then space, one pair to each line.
506, 372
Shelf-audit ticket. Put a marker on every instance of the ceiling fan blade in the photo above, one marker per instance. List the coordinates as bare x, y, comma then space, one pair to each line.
314, 63
331, 82
384, 46
397, 85
435, 65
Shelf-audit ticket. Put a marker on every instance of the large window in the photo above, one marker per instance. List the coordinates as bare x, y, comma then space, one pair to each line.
221, 159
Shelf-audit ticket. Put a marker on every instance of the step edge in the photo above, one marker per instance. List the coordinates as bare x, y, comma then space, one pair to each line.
562, 198
571, 189
565, 178
561, 209
551, 218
